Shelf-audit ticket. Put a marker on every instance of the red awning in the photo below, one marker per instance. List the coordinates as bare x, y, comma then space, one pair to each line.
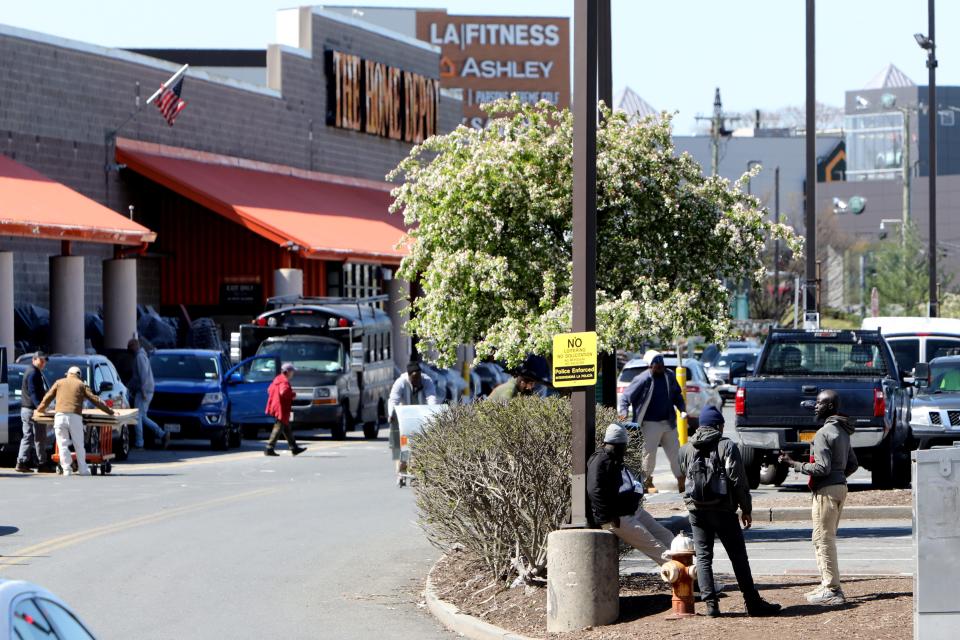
34, 206
324, 216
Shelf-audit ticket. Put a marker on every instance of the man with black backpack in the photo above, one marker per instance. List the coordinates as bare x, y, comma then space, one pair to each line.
716, 487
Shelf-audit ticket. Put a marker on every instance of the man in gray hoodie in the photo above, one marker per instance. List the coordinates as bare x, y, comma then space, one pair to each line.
833, 460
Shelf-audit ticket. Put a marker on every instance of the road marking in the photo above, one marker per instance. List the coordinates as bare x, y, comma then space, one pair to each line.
214, 459
21, 556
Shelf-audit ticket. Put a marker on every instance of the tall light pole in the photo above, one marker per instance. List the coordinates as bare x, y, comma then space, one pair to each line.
584, 235
929, 44
810, 204
608, 359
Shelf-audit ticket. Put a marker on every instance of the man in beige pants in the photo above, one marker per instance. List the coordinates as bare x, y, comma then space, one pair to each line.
833, 461
651, 397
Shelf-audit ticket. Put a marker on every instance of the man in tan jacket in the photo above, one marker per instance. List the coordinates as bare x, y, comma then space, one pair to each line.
69, 393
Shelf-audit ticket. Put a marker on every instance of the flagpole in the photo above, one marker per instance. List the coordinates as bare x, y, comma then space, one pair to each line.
182, 70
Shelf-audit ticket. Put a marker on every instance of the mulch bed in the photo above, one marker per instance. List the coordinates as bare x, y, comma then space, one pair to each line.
876, 609
792, 496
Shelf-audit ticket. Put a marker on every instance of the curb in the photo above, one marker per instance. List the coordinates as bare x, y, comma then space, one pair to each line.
460, 623
787, 514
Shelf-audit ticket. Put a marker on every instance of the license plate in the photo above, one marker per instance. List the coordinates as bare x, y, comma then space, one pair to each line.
173, 428
807, 436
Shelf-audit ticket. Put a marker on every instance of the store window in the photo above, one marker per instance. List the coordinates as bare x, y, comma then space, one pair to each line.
874, 146
360, 280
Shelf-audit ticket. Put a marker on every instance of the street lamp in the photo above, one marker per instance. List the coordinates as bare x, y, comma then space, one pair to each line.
928, 44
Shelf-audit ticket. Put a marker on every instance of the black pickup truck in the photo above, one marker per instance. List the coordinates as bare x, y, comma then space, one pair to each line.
774, 408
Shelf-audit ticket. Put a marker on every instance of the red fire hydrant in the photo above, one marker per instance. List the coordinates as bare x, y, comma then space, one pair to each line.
680, 572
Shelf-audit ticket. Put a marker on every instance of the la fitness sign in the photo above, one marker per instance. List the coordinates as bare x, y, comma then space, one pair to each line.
376, 98
492, 57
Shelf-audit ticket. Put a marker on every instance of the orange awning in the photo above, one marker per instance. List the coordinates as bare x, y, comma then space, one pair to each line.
34, 206
326, 217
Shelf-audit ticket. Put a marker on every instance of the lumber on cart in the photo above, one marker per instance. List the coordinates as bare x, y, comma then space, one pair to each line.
96, 417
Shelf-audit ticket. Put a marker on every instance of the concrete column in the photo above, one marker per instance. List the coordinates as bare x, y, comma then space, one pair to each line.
119, 302
6, 303
288, 282
66, 305
583, 579
398, 292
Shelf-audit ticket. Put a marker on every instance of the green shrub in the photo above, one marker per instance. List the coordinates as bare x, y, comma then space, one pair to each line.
494, 479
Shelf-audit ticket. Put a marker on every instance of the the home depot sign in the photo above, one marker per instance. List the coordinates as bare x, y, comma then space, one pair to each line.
373, 97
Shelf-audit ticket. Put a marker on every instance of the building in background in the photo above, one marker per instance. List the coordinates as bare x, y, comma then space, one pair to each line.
486, 58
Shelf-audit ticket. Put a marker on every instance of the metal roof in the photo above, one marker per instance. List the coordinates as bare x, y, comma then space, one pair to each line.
890, 77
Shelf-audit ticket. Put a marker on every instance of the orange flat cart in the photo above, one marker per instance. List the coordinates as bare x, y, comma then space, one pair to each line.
98, 433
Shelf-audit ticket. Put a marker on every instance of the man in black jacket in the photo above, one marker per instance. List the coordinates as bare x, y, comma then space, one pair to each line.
34, 441
717, 517
833, 460
613, 498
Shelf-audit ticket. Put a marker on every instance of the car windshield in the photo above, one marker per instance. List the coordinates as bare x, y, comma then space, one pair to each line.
57, 369
795, 357
628, 374
727, 358
181, 366
945, 377
15, 382
307, 356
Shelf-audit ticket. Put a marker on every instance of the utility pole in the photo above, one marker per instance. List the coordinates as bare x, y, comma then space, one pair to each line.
776, 242
932, 161
905, 162
584, 236
608, 359
718, 130
810, 204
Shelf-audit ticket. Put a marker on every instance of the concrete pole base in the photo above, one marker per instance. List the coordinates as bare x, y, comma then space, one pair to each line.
583, 579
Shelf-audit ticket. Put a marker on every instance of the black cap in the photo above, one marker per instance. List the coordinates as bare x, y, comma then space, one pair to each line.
413, 365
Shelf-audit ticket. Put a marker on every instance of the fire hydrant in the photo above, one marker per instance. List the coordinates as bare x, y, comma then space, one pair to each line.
680, 572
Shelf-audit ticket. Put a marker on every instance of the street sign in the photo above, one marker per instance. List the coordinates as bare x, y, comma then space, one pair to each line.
575, 359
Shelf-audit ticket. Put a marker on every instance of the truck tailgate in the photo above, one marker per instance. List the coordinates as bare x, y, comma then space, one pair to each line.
790, 400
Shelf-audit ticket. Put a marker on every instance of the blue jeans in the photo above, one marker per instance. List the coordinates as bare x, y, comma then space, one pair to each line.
34, 442
141, 403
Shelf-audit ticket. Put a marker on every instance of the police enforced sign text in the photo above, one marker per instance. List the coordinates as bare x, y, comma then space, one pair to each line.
575, 359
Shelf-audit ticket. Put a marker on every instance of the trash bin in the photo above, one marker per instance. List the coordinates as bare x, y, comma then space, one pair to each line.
936, 542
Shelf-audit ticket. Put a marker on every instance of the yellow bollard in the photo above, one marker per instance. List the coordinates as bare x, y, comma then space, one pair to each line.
681, 419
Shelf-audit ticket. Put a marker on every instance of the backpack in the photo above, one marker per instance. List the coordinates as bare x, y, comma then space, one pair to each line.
706, 479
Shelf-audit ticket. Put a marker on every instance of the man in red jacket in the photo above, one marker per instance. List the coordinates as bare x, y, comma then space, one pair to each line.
280, 397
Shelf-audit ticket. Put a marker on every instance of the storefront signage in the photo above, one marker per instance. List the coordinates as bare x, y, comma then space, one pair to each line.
492, 57
373, 97
241, 291
575, 359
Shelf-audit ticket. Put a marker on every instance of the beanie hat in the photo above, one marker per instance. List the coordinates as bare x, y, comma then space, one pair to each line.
615, 434
711, 417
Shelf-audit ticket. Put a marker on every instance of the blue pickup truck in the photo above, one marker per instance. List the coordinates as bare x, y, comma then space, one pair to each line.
774, 407
198, 395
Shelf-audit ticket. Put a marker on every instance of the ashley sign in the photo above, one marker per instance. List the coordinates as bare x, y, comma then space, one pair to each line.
491, 57
373, 97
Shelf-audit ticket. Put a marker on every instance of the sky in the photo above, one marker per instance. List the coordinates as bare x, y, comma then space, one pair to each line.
672, 53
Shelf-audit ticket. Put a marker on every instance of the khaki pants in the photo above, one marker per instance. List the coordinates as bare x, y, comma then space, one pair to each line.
656, 434
827, 507
642, 532
275, 435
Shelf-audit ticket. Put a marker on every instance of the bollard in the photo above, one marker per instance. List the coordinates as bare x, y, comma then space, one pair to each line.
682, 428
583, 579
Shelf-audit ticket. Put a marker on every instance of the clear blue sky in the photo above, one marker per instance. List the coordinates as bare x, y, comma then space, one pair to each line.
672, 53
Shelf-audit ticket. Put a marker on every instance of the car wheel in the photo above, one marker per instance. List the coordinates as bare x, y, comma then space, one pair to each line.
751, 464
372, 431
220, 440
773, 473
339, 430
121, 444
235, 438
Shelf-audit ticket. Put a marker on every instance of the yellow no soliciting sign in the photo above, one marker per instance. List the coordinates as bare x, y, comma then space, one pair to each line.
575, 359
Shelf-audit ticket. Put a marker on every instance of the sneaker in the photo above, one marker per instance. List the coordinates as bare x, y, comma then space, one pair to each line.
761, 608
297, 450
651, 489
22, 468
827, 597
74, 467
270, 452
713, 610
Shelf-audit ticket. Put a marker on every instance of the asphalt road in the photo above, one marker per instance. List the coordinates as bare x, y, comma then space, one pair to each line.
191, 544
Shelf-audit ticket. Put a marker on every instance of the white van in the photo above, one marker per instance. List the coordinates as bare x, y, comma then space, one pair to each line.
916, 339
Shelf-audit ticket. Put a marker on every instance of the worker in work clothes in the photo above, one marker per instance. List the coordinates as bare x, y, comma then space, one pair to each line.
651, 397
280, 397
34, 441
69, 394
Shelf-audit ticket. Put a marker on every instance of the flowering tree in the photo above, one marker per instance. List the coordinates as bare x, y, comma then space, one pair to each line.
490, 217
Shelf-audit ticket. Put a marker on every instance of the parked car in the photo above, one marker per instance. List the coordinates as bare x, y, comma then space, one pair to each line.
10, 444
28, 611
191, 399
917, 339
774, 407
449, 385
491, 374
719, 372
700, 392
102, 378
934, 410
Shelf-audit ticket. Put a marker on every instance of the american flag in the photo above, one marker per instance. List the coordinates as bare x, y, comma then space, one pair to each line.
169, 103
